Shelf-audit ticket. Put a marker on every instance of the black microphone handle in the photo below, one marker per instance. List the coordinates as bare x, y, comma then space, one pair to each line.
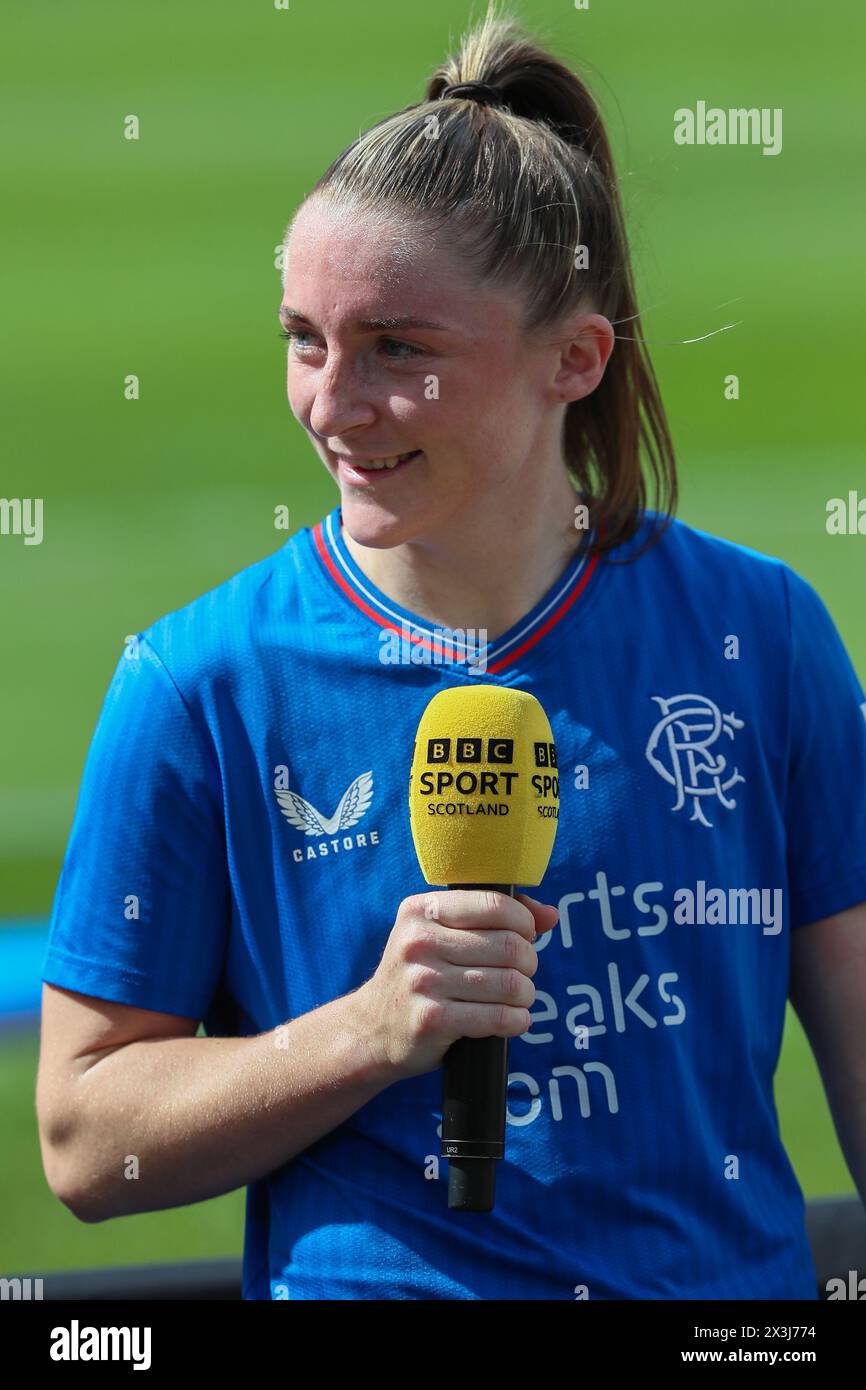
474, 1082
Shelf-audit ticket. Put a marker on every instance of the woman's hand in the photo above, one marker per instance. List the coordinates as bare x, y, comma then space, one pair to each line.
458, 964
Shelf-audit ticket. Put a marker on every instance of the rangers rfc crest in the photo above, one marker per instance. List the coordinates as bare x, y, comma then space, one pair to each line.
681, 749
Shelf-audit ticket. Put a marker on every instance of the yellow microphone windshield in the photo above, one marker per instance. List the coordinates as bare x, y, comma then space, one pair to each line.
484, 787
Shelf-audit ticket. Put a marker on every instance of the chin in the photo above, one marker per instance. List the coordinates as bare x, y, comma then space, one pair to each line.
375, 525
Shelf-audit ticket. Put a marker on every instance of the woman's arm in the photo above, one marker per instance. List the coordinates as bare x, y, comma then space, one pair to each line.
828, 992
137, 1114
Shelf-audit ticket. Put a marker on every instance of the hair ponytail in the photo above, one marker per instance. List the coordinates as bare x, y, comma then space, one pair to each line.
523, 182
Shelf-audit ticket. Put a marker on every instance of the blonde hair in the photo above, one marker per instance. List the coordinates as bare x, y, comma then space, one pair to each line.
518, 179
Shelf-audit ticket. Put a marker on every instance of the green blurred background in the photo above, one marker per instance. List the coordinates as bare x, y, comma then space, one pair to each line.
156, 257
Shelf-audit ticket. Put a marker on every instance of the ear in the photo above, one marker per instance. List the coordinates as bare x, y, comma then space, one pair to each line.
584, 354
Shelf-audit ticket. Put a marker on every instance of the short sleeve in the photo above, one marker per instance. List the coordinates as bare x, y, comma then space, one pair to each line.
140, 911
826, 802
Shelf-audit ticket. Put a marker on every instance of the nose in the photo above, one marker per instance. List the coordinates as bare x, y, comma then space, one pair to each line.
340, 402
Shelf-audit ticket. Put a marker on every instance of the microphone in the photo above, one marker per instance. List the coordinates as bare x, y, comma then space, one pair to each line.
483, 809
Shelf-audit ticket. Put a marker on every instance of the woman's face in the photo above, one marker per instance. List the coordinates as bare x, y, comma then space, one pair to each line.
397, 351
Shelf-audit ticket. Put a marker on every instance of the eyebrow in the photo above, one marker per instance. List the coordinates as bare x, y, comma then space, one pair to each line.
369, 325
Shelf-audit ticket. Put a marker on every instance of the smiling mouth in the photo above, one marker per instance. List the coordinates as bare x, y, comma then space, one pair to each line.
377, 465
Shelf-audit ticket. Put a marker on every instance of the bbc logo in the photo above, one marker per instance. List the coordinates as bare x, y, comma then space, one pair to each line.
499, 750
545, 755
468, 750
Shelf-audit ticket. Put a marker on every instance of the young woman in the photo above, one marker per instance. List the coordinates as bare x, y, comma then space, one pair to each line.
465, 357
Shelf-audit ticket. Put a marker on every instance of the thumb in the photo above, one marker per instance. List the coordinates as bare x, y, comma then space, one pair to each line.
546, 914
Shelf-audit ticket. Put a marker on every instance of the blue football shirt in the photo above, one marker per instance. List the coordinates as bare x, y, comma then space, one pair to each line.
246, 789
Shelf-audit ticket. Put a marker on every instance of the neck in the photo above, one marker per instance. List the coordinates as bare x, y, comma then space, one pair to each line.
486, 572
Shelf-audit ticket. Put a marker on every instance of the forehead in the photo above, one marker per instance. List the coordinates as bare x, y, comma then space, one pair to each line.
344, 262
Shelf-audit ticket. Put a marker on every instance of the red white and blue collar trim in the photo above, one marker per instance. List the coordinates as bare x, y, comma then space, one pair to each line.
499, 655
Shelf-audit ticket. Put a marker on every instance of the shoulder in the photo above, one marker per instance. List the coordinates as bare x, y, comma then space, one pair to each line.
227, 627
681, 543
721, 572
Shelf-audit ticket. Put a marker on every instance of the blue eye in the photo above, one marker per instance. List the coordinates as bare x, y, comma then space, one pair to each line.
407, 349
411, 350
289, 333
